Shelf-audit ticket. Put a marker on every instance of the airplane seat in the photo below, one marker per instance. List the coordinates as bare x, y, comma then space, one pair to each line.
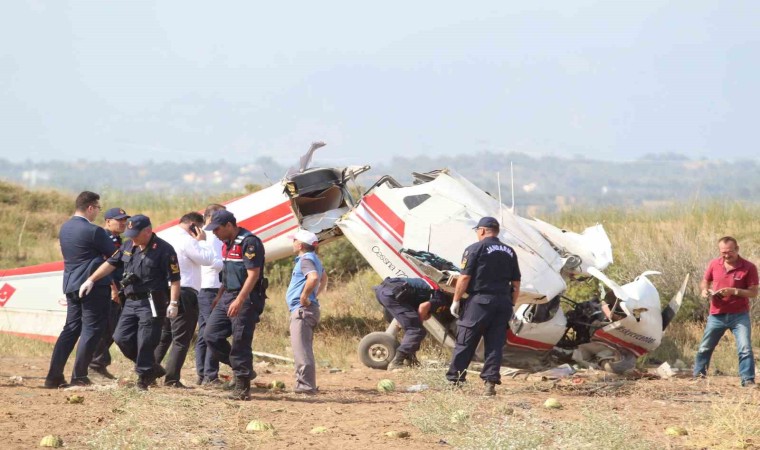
315, 180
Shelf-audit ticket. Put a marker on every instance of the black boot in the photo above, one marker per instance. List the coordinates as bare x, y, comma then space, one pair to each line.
242, 389
412, 360
398, 361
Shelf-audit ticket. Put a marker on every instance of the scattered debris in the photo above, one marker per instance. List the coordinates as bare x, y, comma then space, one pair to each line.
552, 403
16, 379
680, 365
75, 399
417, 388
277, 385
563, 371
335, 370
664, 371
676, 431
272, 357
397, 434
319, 430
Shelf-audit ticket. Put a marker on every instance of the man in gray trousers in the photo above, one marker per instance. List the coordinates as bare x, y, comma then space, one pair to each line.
308, 281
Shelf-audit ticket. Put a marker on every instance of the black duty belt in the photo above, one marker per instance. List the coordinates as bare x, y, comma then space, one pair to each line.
214, 290
190, 289
491, 293
139, 296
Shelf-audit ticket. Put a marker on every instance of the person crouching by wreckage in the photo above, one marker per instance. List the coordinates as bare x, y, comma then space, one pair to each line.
240, 301
491, 277
309, 279
148, 262
410, 301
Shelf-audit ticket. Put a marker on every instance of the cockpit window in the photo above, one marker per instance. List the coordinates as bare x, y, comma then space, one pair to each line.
414, 201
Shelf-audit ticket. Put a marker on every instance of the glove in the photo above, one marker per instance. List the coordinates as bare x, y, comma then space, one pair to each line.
455, 309
172, 310
85, 288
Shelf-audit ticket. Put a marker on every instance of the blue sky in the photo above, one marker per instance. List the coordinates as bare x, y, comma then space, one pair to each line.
179, 80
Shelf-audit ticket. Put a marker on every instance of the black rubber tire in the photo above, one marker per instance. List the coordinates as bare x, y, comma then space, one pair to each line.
377, 349
625, 363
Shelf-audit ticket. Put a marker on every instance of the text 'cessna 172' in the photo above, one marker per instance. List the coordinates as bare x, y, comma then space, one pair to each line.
415, 231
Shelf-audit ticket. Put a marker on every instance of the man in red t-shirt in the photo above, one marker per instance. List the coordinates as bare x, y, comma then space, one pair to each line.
729, 281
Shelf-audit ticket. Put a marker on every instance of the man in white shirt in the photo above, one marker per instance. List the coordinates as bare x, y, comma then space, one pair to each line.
206, 363
193, 251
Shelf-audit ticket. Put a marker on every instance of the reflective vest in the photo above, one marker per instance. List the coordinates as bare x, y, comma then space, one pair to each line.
234, 273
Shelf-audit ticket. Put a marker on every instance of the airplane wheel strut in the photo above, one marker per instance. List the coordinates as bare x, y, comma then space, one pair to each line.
376, 350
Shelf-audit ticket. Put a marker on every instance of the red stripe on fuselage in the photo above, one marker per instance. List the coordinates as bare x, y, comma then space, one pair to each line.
387, 214
391, 248
38, 337
522, 342
638, 351
264, 218
31, 270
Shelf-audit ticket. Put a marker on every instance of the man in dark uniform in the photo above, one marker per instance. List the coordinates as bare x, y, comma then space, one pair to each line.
84, 246
116, 223
410, 301
240, 300
149, 263
491, 277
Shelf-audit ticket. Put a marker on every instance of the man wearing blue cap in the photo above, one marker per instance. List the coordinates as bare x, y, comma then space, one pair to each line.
240, 300
490, 276
148, 262
410, 301
116, 223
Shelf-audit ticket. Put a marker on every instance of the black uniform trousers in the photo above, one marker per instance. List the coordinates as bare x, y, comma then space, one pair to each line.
485, 316
138, 332
102, 357
241, 327
409, 319
206, 363
85, 320
177, 333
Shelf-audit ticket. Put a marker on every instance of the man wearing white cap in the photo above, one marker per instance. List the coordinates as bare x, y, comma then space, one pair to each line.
308, 281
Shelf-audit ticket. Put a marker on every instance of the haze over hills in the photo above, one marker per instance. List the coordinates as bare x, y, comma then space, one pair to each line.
541, 183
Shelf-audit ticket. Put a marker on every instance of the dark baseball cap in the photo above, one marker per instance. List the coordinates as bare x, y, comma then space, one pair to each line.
487, 222
220, 218
438, 301
136, 224
116, 213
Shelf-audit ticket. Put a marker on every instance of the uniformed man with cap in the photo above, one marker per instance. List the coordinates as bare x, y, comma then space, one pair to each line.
115, 224
491, 277
149, 263
410, 301
240, 300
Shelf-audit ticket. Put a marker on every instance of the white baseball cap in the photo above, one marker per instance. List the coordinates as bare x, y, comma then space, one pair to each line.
307, 237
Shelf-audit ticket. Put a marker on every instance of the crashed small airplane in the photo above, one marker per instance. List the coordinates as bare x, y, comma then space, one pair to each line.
414, 231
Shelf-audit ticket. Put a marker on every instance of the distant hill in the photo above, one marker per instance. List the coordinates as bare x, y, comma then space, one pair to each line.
542, 184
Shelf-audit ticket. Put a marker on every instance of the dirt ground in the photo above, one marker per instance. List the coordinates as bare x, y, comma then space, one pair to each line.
349, 407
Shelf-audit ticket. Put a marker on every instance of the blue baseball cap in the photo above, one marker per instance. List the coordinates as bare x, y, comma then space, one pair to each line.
116, 213
487, 222
136, 224
438, 301
220, 218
